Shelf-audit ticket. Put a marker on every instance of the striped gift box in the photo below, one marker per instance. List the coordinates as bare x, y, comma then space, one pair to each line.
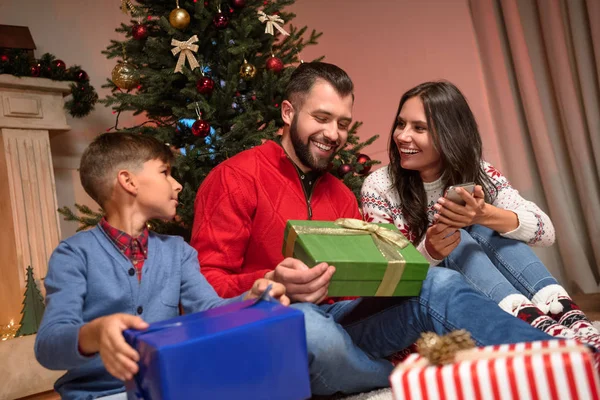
556, 369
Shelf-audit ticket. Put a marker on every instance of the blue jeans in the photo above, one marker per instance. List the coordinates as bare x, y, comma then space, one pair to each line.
348, 340
497, 266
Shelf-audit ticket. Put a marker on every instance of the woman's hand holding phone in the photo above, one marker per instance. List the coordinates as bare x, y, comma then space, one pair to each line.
460, 216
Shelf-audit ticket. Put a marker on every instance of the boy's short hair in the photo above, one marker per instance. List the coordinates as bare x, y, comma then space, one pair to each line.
111, 152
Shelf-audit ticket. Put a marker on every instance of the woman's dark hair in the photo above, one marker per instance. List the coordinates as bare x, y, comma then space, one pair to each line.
453, 129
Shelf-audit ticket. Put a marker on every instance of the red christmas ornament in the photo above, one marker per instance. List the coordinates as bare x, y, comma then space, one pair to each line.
238, 4
201, 128
205, 85
4, 58
81, 76
344, 169
221, 21
362, 159
139, 31
274, 64
59, 64
35, 71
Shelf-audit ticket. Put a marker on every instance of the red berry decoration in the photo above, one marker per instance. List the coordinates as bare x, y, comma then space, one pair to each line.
201, 128
4, 58
81, 76
274, 64
344, 169
205, 85
238, 4
35, 71
59, 64
362, 159
221, 21
139, 31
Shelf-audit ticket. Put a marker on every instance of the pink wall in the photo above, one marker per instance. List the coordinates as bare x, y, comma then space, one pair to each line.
386, 46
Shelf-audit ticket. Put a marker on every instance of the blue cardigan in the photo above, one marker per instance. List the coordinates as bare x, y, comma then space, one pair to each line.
88, 277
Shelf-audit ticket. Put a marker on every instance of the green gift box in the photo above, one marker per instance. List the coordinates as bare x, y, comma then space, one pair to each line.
370, 259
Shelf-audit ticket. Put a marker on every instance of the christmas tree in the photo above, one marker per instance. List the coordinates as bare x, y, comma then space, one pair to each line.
209, 77
33, 307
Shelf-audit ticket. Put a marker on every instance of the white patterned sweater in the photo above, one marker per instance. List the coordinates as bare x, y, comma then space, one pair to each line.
381, 203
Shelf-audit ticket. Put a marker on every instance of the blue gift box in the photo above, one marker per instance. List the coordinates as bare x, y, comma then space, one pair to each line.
247, 350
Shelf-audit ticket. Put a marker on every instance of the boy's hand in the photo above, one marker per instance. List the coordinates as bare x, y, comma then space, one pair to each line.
303, 284
104, 335
277, 291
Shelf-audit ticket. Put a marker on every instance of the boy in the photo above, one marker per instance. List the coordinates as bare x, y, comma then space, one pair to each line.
119, 275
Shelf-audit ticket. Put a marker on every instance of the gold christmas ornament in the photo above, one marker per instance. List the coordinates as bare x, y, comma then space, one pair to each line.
179, 18
125, 76
247, 71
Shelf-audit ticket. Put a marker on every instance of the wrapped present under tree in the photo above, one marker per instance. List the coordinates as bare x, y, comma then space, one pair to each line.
370, 259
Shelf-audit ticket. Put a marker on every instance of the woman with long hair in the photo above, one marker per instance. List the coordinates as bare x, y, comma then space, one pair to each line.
435, 144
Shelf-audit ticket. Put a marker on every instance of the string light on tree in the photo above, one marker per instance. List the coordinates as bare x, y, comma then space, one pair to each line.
238, 4
344, 169
179, 18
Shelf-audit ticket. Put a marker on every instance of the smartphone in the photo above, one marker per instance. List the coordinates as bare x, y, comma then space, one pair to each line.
451, 193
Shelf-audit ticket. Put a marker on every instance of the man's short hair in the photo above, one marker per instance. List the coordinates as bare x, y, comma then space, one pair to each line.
111, 152
305, 76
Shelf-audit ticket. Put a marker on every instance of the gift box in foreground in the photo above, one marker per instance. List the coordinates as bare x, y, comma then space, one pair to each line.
246, 350
370, 259
544, 370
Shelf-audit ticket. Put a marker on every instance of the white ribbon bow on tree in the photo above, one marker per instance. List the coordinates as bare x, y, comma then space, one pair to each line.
272, 21
185, 49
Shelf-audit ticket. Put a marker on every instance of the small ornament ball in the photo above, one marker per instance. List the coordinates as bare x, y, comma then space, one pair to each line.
125, 76
205, 85
221, 21
179, 18
201, 128
274, 64
247, 71
238, 4
35, 71
139, 31
81, 76
362, 159
59, 64
344, 169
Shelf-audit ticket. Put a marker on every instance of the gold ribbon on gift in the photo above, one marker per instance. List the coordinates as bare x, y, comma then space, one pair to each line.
388, 242
185, 49
272, 21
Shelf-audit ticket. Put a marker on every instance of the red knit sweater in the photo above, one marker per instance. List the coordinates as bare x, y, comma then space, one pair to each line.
241, 210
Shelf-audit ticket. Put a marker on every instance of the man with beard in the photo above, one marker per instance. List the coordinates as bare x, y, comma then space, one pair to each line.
241, 211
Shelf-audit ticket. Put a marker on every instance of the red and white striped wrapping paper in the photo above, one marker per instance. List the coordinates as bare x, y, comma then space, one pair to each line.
556, 369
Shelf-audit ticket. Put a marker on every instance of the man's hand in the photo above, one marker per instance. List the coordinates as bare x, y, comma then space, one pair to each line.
277, 291
441, 239
303, 284
104, 335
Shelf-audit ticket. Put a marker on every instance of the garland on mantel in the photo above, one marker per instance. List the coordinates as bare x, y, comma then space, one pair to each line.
84, 96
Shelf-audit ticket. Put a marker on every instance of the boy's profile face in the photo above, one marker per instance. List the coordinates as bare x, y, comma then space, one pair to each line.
157, 190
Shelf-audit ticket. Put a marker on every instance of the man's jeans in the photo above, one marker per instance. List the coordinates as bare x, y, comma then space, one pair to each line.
348, 340
497, 266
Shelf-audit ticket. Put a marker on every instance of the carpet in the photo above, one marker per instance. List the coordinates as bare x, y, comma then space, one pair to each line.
386, 394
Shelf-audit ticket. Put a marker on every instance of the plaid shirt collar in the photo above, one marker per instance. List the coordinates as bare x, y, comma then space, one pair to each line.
133, 248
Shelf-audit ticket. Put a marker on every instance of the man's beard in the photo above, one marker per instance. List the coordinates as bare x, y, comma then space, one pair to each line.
303, 153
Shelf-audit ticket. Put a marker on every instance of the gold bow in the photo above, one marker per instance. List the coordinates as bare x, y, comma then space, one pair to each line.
185, 49
272, 21
388, 242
